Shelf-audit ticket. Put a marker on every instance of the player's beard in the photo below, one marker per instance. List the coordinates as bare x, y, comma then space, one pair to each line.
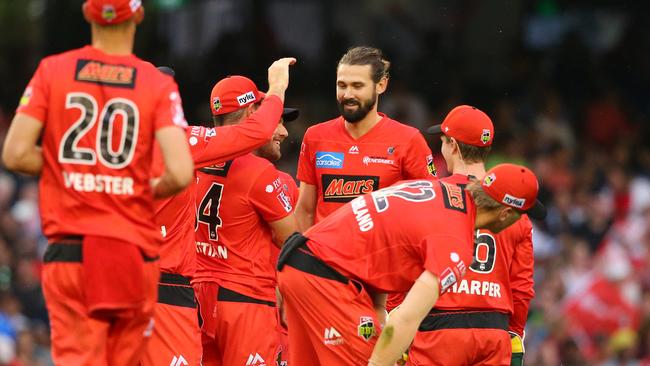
269, 152
364, 107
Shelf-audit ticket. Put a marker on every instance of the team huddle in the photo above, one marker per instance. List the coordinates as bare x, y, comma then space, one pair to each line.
177, 245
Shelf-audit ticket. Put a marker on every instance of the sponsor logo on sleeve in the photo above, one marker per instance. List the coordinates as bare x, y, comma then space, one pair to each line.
92, 71
447, 278
285, 201
27, 96
431, 167
344, 188
330, 160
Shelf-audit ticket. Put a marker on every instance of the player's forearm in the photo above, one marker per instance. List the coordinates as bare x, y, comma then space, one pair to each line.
304, 219
167, 185
233, 141
395, 338
27, 161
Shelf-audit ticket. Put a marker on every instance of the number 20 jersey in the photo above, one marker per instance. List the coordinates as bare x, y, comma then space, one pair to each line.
99, 115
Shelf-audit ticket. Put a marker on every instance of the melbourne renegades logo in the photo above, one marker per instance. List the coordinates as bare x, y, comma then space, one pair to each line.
344, 188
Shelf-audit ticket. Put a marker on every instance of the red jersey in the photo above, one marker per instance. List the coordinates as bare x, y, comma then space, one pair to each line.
501, 273
99, 115
176, 216
343, 168
289, 185
386, 239
233, 240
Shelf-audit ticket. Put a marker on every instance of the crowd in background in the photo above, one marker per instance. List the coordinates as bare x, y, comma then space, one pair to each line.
567, 85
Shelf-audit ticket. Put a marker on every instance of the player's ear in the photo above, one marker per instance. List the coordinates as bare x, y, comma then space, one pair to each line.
382, 85
138, 17
84, 10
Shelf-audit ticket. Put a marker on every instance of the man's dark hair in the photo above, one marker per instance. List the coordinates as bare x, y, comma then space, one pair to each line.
364, 55
471, 153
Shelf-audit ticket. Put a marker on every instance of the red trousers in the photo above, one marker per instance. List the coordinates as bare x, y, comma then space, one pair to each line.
329, 322
237, 329
176, 339
472, 342
81, 340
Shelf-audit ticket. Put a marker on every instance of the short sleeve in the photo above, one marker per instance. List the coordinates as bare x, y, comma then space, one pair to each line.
170, 108
418, 163
447, 257
306, 164
268, 196
34, 101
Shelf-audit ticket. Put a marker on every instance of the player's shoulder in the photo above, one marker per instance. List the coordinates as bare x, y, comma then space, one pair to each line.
324, 129
395, 127
252, 163
518, 231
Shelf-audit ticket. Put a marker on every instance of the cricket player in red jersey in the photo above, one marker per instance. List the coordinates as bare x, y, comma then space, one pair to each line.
177, 337
360, 151
242, 209
416, 234
478, 311
97, 111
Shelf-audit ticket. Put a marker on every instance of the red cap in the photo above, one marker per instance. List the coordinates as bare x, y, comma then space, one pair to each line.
233, 93
106, 12
515, 186
468, 125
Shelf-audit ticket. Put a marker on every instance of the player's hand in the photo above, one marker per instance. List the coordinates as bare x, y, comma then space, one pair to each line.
517, 344
279, 76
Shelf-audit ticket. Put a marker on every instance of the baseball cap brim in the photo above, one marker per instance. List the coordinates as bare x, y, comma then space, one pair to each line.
537, 212
167, 70
290, 114
434, 130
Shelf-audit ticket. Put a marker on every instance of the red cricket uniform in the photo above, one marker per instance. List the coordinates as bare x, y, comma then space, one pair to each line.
343, 168
475, 310
289, 184
235, 277
377, 243
99, 115
177, 334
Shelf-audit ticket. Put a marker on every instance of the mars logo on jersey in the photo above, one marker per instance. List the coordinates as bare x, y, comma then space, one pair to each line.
92, 71
344, 188
331, 160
